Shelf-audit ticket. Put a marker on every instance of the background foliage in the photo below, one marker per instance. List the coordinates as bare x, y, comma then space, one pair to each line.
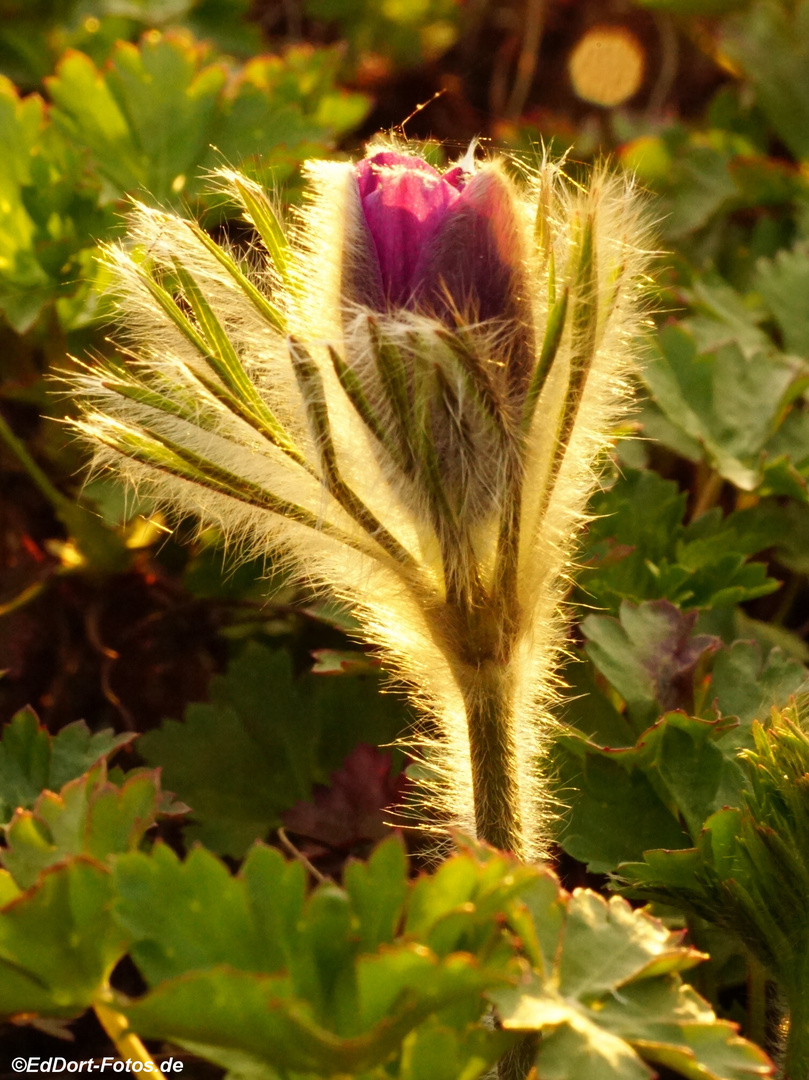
251, 704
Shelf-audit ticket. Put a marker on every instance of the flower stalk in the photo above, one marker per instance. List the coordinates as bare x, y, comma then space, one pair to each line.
116, 1027
795, 1062
408, 400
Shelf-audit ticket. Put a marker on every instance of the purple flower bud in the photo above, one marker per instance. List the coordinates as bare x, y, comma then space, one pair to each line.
447, 245
405, 202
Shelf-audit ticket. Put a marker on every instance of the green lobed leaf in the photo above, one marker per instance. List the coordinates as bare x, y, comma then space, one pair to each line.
639, 548
696, 173
294, 103
690, 763
89, 816
9, 889
20, 125
436, 1052
33, 36
650, 655
406, 33
615, 812
629, 790
246, 1021
704, 185
173, 931
769, 41
671, 1025
58, 943
31, 759
444, 908
323, 984
590, 709
720, 316
121, 115
152, 118
747, 873
48, 217
783, 283
377, 890
703, 175
609, 1000
262, 741
747, 685
792, 546
725, 404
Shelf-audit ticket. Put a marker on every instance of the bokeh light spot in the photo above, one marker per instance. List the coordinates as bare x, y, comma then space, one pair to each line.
606, 65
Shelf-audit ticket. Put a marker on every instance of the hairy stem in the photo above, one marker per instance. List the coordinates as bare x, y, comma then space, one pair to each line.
493, 753
756, 1002
486, 628
519, 1061
796, 1055
485, 679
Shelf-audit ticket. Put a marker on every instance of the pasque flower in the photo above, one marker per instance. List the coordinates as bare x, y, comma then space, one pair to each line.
409, 400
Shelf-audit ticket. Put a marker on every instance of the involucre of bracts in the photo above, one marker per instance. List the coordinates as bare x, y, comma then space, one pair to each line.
407, 393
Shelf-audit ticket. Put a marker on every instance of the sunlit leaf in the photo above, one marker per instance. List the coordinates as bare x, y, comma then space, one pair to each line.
58, 943
31, 759
162, 114
324, 984
89, 816
610, 1002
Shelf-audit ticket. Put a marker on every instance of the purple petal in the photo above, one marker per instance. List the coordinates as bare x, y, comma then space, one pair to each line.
405, 201
375, 170
457, 176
